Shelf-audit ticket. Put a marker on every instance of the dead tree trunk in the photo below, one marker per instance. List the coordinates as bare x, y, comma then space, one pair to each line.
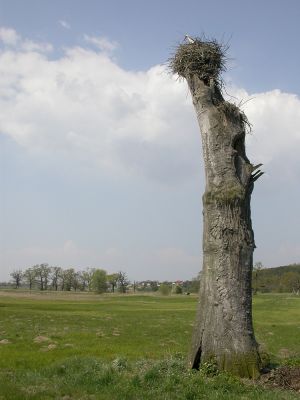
223, 331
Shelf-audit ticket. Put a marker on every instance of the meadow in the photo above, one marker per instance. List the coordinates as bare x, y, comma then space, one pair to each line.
85, 346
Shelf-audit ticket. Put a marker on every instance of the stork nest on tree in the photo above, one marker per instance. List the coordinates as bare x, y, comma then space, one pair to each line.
205, 58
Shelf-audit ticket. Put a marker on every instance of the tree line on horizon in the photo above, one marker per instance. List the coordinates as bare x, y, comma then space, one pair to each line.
45, 277
285, 279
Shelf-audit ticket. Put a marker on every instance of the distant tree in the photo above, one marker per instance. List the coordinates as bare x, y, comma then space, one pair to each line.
112, 279
43, 272
86, 278
290, 281
76, 281
39, 276
29, 276
83, 277
17, 276
123, 282
56, 273
99, 281
63, 279
258, 266
82, 281
68, 276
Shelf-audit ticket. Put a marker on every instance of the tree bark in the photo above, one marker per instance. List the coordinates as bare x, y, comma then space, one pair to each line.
223, 331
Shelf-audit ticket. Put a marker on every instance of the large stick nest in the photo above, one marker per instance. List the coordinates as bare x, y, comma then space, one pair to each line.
205, 58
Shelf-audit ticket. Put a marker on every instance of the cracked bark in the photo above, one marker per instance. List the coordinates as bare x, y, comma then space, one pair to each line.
223, 330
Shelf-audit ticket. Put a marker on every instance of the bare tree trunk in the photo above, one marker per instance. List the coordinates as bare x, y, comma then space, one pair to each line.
223, 331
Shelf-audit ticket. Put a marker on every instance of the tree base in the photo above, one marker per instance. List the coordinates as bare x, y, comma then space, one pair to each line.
239, 364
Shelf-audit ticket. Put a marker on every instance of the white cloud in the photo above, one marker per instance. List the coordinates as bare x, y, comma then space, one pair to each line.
101, 43
9, 36
84, 107
64, 24
275, 140
29, 45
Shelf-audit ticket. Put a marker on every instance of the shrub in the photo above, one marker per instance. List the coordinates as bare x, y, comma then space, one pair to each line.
164, 289
178, 289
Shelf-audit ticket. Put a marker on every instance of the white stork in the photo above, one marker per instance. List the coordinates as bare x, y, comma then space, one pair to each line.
189, 39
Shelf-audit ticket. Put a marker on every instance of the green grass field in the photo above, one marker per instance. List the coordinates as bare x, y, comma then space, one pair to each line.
83, 346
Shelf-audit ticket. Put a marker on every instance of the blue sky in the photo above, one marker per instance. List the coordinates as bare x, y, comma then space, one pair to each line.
101, 160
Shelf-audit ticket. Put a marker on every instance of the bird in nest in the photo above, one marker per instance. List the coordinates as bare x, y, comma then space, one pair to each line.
188, 39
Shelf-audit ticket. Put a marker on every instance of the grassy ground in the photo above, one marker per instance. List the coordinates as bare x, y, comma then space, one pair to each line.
81, 346
277, 325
